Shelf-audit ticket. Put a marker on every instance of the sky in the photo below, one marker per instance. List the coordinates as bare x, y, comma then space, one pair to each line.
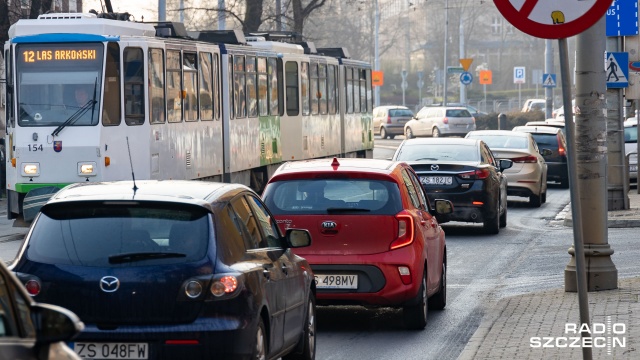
147, 8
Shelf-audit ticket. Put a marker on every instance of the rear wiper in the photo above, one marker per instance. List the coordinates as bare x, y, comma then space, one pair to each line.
346, 209
75, 116
131, 257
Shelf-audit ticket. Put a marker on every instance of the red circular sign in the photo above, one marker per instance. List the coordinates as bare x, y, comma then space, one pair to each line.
552, 19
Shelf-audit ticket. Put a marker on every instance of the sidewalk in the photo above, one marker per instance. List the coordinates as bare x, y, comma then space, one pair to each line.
507, 330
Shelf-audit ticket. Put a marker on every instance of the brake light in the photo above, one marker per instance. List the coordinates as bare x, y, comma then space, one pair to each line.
525, 159
561, 150
224, 285
405, 230
389, 119
476, 174
33, 287
445, 120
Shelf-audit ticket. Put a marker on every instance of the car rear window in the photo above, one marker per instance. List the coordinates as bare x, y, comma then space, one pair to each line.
119, 235
458, 113
400, 112
631, 134
332, 196
439, 152
502, 142
546, 140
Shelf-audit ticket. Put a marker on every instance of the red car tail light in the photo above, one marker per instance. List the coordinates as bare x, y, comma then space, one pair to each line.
525, 159
405, 274
224, 285
561, 150
405, 230
475, 174
389, 119
33, 287
445, 120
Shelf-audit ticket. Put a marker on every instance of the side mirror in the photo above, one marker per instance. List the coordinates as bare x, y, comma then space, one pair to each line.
54, 323
298, 238
505, 164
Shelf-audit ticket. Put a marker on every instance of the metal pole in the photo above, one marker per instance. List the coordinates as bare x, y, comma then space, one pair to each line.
181, 10
548, 69
221, 15
376, 64
278, 15
446, 39
463, 88
583, 301
162, 10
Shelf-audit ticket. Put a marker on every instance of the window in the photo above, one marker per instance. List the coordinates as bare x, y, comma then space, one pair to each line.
274, 69
268, 224
157, 109
8, 327
190, 81
251, 90
206, 85
413, 195
314, 92
349, 88
174, 86
239, 83
253, 238
369, 90
322, 88
111, 106
363, 90
291, 81
263, 104
9, 76
332, 85
304, 87
133, 86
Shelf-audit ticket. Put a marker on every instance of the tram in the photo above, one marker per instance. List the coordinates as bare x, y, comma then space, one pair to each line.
95, 97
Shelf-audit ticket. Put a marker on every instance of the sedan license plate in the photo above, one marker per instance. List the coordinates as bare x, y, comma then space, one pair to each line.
336, 281
111, 350
436, 180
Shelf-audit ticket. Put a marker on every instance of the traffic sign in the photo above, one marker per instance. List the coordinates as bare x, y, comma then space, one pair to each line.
549, 80
466, 78
552, 19
622, 18
634, 66
404, 85
466, 63
485, 77
377, 78
454, 69
519, 75
617, 70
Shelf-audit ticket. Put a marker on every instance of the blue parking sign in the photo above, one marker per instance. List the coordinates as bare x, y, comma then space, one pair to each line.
519, 75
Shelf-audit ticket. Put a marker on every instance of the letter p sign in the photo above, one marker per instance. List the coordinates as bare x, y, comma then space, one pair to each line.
519, 75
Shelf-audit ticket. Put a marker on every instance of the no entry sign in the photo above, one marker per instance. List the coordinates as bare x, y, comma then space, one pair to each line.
552, 19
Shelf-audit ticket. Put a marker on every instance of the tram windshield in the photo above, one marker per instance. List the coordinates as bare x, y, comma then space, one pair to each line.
59, 84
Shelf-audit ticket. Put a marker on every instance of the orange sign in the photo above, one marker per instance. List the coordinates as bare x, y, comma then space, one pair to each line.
466, 63
377, 78
485, 77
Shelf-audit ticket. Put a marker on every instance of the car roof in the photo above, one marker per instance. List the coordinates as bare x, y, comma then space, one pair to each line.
193, 192
445, 141
498, 132
391, 107
336, 165
538, 129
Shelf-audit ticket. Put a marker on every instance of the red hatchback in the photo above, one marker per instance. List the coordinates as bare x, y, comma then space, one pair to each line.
376, 240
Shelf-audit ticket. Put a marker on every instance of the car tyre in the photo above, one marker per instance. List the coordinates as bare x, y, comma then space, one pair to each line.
391, 136
503, 218
408, 133
436, 132
308, 339
439, 300
535, 200
491, 225
260, 347
383, 133
564, 183
544, 197
415, 316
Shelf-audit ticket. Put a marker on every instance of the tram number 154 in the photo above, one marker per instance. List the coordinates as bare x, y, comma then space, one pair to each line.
35, 147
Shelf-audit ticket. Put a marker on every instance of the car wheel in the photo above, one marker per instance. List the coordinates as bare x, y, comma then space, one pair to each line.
435, 132
503, 218
415, 316
544, 197
408, 133
491, 225
439, 300
535, 200
308, 339
383, 133
391, 136
260, 348
564, 183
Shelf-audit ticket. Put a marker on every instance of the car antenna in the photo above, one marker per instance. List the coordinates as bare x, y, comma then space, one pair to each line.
133, 176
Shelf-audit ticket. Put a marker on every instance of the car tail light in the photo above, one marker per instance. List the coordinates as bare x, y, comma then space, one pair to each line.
33, 287
525, 159
561, 150
405, 230
389, 119
475, 174
224, 285
445, 120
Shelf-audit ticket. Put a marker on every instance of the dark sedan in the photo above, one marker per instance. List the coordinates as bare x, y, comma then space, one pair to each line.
463, 171
172, 270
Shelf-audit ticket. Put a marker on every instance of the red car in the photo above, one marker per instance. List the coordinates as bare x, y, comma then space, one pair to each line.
376, 240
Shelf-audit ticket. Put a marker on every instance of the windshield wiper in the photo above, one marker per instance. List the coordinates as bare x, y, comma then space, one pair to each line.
75, 116
131, 257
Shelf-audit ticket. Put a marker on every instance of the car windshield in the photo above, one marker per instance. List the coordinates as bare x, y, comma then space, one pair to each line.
439, 152
352, 196
631, 134
458, 113
502, 141
117, 235
547, 140
400, 112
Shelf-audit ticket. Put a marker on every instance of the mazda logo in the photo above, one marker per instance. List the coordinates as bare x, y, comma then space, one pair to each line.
329, 225
109, 284
435, 167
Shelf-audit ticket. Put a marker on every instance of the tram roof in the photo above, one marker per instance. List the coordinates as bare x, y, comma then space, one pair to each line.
79, 23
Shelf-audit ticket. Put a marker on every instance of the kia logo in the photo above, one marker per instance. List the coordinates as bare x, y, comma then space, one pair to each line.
109, 284
435, 167
329, 225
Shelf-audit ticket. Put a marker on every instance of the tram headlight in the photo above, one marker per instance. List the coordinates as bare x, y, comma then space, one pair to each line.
30, 169
87, 169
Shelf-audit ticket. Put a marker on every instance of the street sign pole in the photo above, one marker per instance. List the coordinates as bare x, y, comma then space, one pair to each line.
404, 85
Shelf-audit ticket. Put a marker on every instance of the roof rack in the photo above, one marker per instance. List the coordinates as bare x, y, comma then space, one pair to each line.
282, 36
170, 29
340, 52
221, 36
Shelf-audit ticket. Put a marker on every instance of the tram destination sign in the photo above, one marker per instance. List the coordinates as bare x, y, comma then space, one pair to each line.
552, 19
36, 53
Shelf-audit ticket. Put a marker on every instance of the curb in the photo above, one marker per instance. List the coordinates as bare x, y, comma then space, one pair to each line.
488, 320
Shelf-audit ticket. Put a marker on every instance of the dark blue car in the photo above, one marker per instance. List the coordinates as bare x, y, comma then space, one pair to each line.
172, 270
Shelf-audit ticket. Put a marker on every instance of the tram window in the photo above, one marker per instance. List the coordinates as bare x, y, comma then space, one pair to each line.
275, 74
251, 91
363, 90
232, 106
9, 94
111, 106
291, 81
356, 91
369, 92
349, 88
239, 83
314, 92
174, 87
331, 84
216, 86
156, 86
133, 86
322, 88
263, 104
206, 78
190, 83
304, 87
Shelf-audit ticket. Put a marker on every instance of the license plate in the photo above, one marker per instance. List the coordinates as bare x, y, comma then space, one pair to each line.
336, 281
112, 350
436, 180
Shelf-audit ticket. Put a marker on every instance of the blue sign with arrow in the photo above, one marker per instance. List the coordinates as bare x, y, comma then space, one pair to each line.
622, 18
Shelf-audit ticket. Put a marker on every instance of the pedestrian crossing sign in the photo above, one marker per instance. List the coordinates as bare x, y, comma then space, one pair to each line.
549, 80
617, 70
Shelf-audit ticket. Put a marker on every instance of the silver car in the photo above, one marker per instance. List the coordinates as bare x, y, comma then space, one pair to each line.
388, 121
631, 149
439, 121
